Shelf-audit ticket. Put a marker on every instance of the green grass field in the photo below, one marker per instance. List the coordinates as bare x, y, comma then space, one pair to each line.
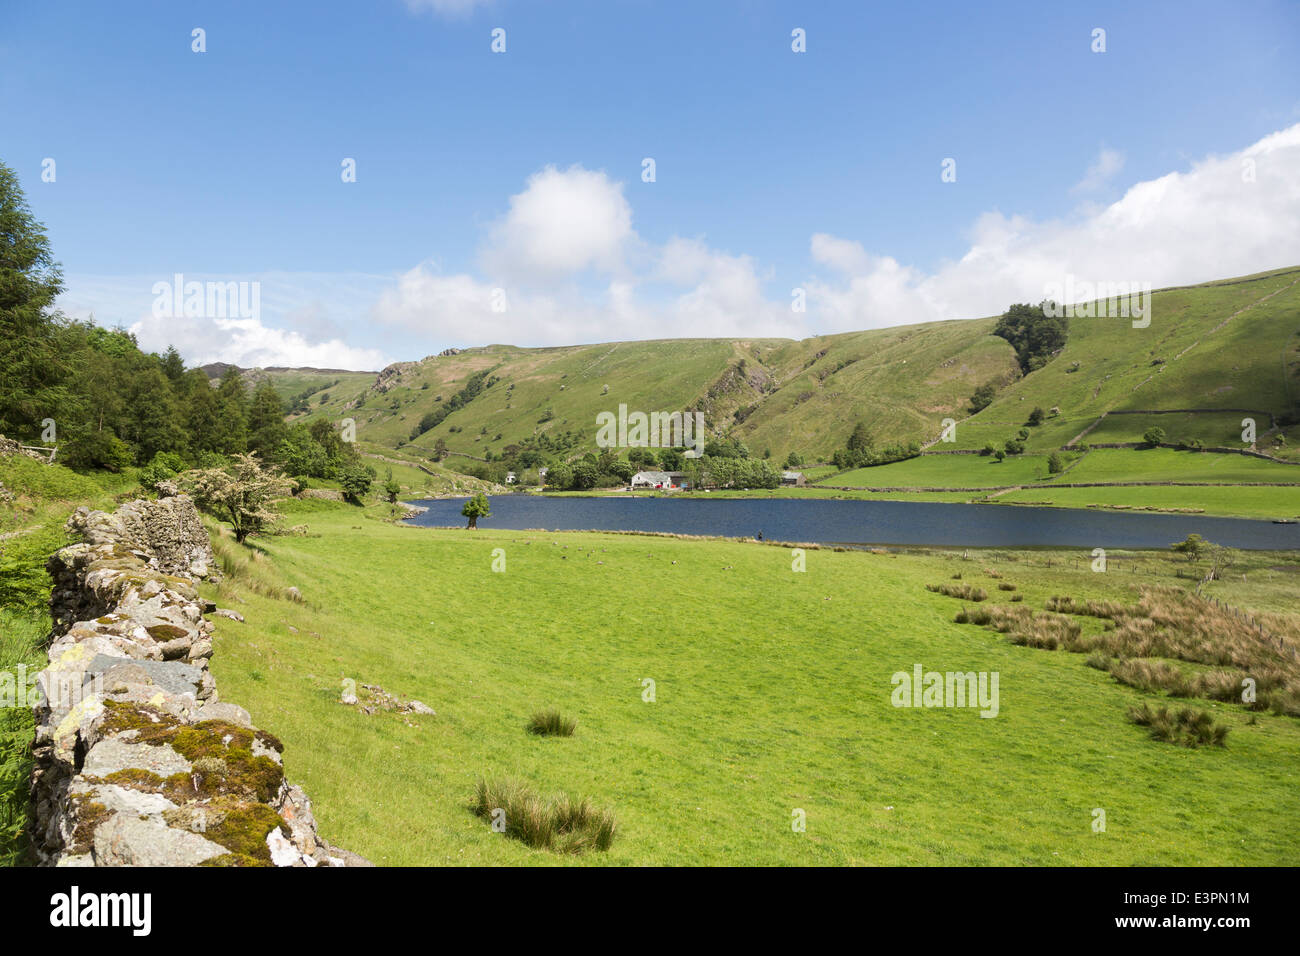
1100, 464
941, 471
760, 709
1166, 464
1231, 500
1214, 429
985, 476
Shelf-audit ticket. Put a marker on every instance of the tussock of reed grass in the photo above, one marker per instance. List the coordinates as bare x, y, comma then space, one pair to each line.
563, 824
1155, 676
1112, 610
963, 591
551, 723
1025, 626
1169, 624
1186, 727
1152, 676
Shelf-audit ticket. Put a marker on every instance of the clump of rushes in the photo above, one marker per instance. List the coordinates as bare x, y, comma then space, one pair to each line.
1186, 726
1025, 627
551, 723
563, 824
973, 615
963, 591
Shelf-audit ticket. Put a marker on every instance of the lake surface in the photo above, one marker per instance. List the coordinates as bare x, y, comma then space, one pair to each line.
866, 522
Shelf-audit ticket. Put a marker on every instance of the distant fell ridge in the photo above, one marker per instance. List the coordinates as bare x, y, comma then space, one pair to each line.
218, 369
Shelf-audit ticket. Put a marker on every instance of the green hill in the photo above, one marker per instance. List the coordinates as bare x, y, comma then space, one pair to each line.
1209, 351
1212, 355
771, 393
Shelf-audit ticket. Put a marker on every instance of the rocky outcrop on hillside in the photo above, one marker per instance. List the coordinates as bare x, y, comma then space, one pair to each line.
391, 376
137, 760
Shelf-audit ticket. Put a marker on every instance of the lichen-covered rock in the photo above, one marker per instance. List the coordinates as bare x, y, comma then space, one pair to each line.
135, 760
127, 840
117, 754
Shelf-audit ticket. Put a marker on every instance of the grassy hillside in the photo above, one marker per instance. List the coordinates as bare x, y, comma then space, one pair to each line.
1225, 345
775, 395
799, 718
417, 477
1228, 345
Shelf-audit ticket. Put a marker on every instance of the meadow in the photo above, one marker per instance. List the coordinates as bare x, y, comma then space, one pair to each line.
940, 471
771, 694
1240, 501
1167, 464
1116, 469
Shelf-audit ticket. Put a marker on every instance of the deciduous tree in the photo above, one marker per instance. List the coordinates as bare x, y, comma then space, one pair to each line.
240, 494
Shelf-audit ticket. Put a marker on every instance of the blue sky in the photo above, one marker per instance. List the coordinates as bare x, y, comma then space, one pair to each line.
225, 165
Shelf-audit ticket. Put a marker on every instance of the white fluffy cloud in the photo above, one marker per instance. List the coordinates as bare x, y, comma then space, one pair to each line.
1227, 215
293, 325
250, 344
563, 223
723, 294
567, 266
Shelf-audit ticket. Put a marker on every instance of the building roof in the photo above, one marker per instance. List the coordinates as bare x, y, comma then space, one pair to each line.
654, 477
791, 475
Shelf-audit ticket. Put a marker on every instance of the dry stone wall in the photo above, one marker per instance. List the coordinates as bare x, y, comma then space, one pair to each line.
137, 759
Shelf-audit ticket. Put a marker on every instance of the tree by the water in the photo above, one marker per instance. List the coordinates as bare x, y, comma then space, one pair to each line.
1192, 546
477, 507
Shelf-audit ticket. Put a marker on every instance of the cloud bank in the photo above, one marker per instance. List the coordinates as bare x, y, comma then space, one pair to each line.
1226, 216
565, 264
